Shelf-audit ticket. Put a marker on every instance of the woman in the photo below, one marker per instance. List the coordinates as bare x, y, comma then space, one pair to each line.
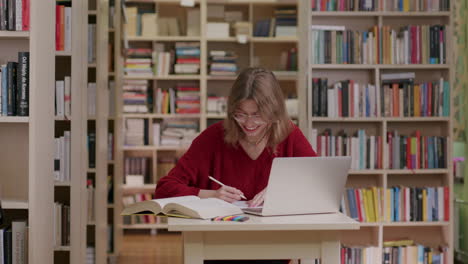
239, 151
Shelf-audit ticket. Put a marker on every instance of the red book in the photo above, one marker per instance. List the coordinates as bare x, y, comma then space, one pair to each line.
358, 204
319, 146
57, 27
418, 149
25, 15
413, 44
188, 61
351, 98
446, 204
343, 252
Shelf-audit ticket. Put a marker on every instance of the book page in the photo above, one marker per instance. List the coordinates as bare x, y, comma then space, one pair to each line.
164, 201
203, 208
154, 206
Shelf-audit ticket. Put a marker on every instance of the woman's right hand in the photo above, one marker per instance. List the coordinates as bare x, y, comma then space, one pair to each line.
228, 194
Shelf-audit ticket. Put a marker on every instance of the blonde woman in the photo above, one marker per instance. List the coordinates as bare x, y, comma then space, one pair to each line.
239, 151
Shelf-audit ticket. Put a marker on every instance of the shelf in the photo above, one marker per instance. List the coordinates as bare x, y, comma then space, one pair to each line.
164, 38
14, 34
62, 248
216, 116
14, 204
89, 170
63, 53
139, 148
14, 119
369, 224
273, 39
378, 13
62, 183
417, 119
417, 171
91, 223
145, 226
111, 29
438, 223
110, 206
228, 39
379, 119
151, 187
161, 115
157, 1
379, 66
92, 12
221, 78
61, 118
365, 172
111, 73
92, 65
168, 77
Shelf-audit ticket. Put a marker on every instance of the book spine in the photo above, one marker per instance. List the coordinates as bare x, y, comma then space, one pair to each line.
23, 84
25, 15
11, 84
11, 15
3, 14
18, 15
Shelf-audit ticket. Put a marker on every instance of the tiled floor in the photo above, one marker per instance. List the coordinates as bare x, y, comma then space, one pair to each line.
163, 248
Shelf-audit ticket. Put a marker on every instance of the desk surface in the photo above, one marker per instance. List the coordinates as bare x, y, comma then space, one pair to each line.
337, 221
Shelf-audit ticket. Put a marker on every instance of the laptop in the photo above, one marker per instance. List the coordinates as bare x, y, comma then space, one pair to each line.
304, 185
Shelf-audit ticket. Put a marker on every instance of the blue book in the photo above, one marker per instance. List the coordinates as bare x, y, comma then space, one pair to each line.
392, 204
420, 254
436, 205
436, 258
397, 204
352, 204
4, 91
367, 102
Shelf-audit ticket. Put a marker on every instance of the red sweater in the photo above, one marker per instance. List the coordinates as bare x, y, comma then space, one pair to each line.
209, 155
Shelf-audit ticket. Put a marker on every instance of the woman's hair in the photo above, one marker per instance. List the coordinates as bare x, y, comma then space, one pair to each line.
261, 86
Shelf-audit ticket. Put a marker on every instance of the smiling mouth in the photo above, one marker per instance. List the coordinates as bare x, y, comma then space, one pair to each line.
250, 129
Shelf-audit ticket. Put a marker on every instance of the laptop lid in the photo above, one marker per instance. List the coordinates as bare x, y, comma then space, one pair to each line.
305, 185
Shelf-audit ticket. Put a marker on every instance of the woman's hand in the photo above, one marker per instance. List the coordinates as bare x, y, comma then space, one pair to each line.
258, 199
226, 193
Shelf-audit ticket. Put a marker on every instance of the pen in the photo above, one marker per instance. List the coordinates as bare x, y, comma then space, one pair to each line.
222, 184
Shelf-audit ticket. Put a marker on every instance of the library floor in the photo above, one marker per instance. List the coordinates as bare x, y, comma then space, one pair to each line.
163, 248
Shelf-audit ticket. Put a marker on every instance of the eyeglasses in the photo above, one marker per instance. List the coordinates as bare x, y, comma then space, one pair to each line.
242, 118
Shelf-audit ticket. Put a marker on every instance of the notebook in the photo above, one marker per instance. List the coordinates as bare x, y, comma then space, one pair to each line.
304, 185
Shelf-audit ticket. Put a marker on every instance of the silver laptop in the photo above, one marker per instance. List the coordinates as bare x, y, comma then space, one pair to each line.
304, 185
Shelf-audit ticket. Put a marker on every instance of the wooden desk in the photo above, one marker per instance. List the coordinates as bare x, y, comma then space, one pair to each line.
304, 237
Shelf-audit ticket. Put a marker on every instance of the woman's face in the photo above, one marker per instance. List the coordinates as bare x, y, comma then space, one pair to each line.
250, 120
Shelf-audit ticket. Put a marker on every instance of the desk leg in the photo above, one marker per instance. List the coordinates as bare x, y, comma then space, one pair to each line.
330, 252
193, 247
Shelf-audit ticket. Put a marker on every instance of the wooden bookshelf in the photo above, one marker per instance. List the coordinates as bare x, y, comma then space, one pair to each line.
374, 234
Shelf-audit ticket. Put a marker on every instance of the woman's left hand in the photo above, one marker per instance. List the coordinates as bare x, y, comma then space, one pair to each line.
258, 199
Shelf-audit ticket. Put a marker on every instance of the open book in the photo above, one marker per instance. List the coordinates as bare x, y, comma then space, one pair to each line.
184, 206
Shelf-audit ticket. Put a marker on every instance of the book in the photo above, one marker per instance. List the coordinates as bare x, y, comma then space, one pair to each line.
184, 206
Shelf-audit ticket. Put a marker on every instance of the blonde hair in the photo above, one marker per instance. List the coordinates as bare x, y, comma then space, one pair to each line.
261, 86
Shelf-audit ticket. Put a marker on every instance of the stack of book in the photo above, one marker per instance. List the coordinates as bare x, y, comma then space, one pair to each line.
187, 98
187, 58
223, 63
14, 87
135, 96
365, 151
216, 104
344, 99
401, 97
362, 254
344, 5
63, 26
63, 98
363, 204
62, 157
416, 152
407, 250
286, 22
405, 204
178, 132
412, 44
135, 132
138, 62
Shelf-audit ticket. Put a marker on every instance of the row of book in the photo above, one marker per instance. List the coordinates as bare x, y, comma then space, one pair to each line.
395, 98
407, 252
401, 97
61, 224
138, 61
14, 242
360, 255
344, 99
184, 98
135, 96
14, 15
14, 87
140, 166
283, 24
387, 5
412, 44
63, 26
63, 98
365, 150
223, 63
62, 159
416, 151
403, 204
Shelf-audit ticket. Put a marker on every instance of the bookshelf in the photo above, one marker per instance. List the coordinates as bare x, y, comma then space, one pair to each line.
256, 51
374, 234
